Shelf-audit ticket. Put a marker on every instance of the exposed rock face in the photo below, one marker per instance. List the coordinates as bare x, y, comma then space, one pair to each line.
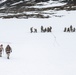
30, 9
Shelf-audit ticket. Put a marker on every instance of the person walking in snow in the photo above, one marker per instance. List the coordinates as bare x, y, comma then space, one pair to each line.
1, 49
49, 29
8, 50
31, 29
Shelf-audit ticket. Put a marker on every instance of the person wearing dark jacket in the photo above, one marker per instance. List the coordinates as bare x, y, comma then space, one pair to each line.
8, 50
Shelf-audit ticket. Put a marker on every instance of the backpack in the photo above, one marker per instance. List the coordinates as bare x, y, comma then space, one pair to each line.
1, 48
8, 49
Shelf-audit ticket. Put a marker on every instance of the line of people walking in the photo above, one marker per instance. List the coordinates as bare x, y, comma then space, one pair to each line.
8, 50
70, 29
43, 29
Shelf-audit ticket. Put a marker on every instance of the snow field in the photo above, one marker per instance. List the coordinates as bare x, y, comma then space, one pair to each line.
39, 53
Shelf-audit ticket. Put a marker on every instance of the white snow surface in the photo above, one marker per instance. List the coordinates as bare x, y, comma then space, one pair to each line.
52, 53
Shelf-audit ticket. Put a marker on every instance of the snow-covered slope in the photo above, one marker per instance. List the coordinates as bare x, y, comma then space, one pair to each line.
52, 53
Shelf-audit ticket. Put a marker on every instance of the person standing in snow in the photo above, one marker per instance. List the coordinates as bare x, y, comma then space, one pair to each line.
8, 50
1, 49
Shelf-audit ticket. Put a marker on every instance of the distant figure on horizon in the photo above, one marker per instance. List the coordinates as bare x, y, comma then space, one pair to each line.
8, 50
1, 49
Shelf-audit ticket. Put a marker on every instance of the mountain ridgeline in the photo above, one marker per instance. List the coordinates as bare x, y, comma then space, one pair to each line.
34, 8
9, 2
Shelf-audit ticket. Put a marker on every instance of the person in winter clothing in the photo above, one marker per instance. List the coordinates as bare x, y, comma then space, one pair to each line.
49, 29
43, 29
31, 29
8, 50
1, 49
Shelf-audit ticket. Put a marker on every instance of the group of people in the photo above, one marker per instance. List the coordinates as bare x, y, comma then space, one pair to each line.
43, 29
8, 50
70, 29
47, 29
